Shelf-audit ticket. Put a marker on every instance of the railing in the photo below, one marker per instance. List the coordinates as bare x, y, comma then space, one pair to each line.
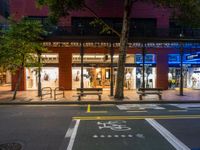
59, 91
46, 91
152, 32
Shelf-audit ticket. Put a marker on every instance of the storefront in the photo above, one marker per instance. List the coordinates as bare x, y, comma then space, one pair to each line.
49, 73
97, 70
191, 72
5, 77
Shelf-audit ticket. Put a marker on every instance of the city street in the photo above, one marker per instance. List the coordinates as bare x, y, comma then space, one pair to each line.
101, 127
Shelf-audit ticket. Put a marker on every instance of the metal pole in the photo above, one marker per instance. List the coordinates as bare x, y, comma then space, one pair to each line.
82, 54
143, 66
181, 68
111, 67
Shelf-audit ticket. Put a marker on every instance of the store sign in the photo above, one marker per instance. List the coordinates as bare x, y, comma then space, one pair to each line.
174, 58
149, 58
194, 56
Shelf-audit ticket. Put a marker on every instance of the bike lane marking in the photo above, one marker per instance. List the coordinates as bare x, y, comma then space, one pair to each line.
167, 135
70, 136
73, 136
118, 135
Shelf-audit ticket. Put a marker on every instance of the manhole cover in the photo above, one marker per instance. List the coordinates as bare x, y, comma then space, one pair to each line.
11, 146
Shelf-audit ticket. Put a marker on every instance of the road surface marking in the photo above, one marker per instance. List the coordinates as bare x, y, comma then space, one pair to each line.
136, 117
113, 125
177, 110
116, 136
139, 107
167, 135
72, 139
135, 111
69, 133
186, 106
88, 108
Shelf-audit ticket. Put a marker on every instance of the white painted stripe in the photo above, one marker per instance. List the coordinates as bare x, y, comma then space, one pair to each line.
167, 135
72, 139
69, 133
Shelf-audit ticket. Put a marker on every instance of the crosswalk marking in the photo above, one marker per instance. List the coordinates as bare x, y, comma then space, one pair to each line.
167, 135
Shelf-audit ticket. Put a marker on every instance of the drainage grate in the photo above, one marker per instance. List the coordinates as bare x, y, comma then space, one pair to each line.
11, 146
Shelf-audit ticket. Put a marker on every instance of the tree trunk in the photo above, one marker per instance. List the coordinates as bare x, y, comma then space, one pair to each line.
39, 76
18, 83
119, 91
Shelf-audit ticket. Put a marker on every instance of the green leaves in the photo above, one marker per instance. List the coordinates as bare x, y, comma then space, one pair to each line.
186, 12
61, 8
19, 44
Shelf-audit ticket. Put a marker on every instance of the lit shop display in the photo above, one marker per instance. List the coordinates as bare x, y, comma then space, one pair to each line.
49, 77
97, 71
191, 71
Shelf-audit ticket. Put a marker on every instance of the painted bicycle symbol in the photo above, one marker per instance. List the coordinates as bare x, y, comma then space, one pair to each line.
113, 125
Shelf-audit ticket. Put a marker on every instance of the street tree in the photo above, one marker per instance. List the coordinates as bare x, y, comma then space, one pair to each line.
186, 12
20, 47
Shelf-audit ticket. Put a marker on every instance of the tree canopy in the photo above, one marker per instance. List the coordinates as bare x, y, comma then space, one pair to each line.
19, 46
19, 43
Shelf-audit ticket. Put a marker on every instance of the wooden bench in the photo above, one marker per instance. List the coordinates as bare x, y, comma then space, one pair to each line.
89, 91
150, 91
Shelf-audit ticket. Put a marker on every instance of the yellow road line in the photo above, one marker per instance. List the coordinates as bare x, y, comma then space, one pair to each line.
177, 110
136, 117
88, 108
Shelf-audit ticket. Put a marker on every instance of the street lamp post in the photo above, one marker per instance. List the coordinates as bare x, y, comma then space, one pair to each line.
111, 67
143, 65
181, 66
82, 54
181, 69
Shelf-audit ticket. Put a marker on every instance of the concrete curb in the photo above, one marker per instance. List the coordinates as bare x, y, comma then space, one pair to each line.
95, 102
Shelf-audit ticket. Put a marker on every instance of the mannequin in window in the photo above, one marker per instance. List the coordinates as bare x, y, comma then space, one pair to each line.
150, 78
128, 80
170, 80
138, 80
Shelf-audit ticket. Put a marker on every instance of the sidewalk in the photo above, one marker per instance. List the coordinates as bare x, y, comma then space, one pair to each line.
70, 97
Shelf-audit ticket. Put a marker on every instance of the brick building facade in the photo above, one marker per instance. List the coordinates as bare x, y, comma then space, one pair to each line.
145, 16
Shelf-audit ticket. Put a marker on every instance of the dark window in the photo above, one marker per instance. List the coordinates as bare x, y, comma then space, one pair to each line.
4, 8
143, 26
140, 26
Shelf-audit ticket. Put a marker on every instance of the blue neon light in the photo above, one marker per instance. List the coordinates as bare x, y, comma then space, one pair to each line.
149, 59
175, 59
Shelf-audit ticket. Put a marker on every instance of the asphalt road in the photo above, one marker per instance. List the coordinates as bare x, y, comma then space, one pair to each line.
101, 127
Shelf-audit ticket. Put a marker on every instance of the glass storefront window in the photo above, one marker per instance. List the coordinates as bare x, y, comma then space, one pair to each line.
92, 77
49, 77
97, 71
191, 71
149, 77
193, 80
